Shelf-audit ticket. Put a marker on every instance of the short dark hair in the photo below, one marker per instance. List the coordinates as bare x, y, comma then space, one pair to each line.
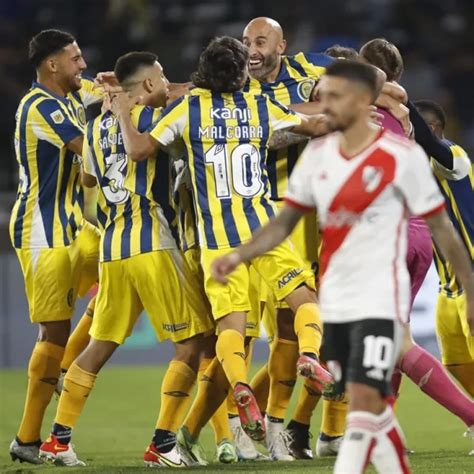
47, 42
339, 51
128, 64
354, 71
222, 65
385, 55
434, 108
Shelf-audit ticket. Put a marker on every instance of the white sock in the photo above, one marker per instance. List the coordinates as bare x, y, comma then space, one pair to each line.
389, 454
358, 443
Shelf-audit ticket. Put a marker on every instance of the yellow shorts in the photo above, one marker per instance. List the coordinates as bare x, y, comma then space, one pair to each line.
54, 277
161, 283
280, 268
456, 343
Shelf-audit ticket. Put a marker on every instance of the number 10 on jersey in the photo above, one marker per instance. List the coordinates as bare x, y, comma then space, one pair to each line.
244, 166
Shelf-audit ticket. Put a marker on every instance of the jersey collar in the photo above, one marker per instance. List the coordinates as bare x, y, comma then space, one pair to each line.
37, 85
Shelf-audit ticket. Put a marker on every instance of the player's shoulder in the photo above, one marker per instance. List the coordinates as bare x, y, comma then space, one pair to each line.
457, 150
315, 59
321, 144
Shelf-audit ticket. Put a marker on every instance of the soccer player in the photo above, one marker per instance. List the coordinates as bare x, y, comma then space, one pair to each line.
417, 363
290, 80
338, 51
141, 268
362, 180
225, 132
56, 247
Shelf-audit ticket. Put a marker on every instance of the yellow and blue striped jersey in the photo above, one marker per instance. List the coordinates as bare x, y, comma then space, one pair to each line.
294, 85
130, 217
457, 186
225, 137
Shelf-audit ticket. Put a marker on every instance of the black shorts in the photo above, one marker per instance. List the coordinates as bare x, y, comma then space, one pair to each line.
363, 351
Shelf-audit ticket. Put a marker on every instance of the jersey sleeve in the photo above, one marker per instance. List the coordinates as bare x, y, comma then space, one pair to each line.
417, 184
280, 116
461, 165
171, 123
88, 93
318, 59
50, 122
87, 151
299, 193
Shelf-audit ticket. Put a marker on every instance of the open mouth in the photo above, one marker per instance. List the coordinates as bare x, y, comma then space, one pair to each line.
78, 76
254, 63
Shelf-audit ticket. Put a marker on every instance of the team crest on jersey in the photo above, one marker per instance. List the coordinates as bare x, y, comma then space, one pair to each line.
305, 88
57, 117
371, 177
81, 115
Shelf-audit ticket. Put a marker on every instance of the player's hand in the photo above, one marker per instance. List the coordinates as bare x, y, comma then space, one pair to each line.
374, 116
223, 266
107, 77
395, 91
121, 103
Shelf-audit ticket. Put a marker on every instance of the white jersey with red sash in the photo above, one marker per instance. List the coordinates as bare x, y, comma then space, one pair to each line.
363, 204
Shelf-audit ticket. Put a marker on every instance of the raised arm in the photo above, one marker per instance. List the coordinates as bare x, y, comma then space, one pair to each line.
266, 238
455, 253
139, 146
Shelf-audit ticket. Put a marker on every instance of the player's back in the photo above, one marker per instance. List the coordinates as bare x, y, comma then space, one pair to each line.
226, 136
457, 187
129, 214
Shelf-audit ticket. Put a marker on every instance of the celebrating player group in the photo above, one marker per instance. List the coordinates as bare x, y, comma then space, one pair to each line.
306, 193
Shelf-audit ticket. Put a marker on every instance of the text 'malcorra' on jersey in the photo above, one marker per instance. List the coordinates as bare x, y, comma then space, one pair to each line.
226, 135
294, 85
48, 208
129, 213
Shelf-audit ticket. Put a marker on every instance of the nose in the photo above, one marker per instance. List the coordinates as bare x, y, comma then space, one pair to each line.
83, 65
253, 50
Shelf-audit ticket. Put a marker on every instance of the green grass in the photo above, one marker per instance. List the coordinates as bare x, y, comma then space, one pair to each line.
119, 418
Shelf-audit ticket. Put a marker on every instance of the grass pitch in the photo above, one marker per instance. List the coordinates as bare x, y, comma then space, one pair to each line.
119, 418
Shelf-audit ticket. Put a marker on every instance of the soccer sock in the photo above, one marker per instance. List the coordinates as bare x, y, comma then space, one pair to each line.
79, 338
230, 351
176, 386
308, 399
375, 438
389, 454
428, 373
77, 386
43, 372
212, 391
464, 373
282, 370
230, 402
308, 328
261, 387
334, 417
219, 420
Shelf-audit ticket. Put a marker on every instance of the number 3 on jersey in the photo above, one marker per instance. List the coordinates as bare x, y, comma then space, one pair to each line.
245, 170
114, 174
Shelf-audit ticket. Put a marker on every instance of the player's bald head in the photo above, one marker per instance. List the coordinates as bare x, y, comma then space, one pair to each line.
265, 27
264, 38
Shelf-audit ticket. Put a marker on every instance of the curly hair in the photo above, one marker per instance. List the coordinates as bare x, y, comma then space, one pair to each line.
222, 65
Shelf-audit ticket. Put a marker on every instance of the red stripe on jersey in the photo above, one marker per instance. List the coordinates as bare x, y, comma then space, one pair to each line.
297, 205
354, 197
433, 212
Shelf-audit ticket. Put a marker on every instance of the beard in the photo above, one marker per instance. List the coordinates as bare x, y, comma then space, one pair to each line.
269, 63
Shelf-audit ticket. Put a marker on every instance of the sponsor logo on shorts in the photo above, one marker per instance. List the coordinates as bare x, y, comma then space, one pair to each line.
175, 327
376, 374
69, 297
289, 276
356, 436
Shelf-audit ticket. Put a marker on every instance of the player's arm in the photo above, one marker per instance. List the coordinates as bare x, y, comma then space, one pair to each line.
88, 177
139, 146
424, 136
312, 125
266, 238
453, 250
393, 98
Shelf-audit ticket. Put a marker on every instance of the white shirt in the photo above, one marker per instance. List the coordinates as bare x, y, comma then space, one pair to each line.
362, 204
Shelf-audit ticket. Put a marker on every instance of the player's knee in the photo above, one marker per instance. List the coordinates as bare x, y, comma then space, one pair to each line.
56, 332
189, 352
364, 398
300, 296
95, 355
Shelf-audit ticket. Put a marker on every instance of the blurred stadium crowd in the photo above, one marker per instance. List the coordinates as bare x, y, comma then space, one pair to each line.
434, 37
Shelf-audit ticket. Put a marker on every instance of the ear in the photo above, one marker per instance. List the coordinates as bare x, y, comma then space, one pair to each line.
51, 65
282, 46
148, 85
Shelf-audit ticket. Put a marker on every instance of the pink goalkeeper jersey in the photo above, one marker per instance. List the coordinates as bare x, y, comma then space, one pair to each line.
362, 205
